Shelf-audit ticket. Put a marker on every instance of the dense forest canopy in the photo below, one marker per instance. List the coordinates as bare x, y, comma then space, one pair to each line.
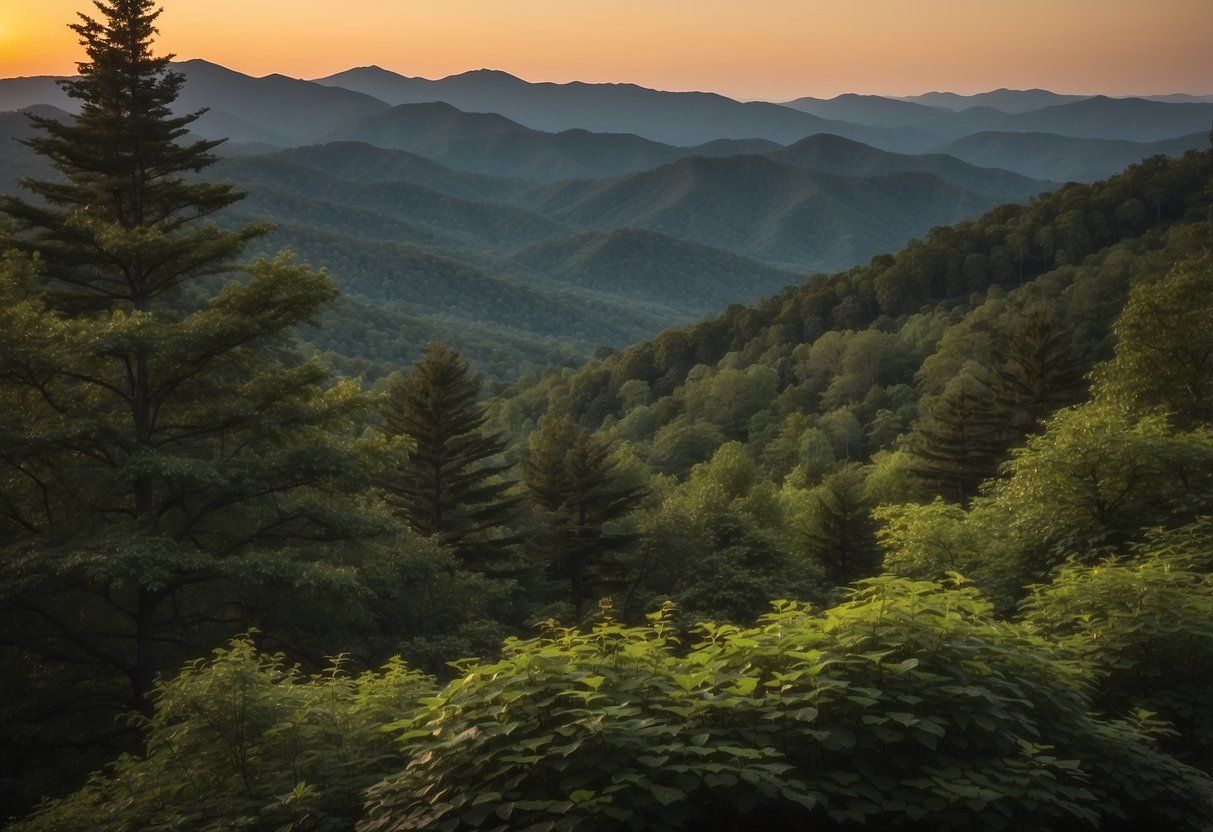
922, 544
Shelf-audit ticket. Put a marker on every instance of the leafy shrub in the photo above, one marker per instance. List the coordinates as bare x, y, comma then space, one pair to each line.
1146, 625
245, 742
908, 707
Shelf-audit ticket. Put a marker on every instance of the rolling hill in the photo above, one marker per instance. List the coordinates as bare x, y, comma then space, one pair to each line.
1063, 158
360, 162
752, 205
424, 283
687, 278
396, 209
1130, 119
19, 93
17, 160
492, 144
834, 154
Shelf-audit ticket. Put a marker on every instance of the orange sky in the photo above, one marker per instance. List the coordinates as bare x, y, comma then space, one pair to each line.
761, 49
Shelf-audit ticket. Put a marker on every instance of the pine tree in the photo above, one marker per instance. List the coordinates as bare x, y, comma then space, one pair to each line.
169, 471
122, 228
1037, 372
575, 494
958, 445
841, 532
451, 486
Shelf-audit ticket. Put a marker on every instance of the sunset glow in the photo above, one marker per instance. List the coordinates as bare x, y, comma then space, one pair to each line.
768, 49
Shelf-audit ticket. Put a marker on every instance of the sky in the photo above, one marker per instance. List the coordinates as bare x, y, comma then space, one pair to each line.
772, 50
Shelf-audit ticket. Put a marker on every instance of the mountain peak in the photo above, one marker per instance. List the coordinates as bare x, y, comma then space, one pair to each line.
371, 72
202, 65
492, 75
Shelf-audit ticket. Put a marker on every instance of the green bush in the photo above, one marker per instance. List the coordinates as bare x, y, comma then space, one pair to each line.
907, 707
1146, 625
245, 742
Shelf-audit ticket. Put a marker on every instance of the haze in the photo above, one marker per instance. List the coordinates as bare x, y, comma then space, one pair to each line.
767, 49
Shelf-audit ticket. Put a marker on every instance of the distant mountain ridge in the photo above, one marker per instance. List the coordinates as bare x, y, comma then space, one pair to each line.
487, 143
677, 118
277, 111
1063, 158
834, 154
1006, 100
1127, 119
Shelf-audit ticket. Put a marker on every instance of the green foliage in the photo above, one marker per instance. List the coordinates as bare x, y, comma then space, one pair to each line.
957, 446
1098, 476
1164, 352
834, 525
246, 741
1146, 624
933, 540
905, 707
716, 544
1037, 372
680, 445
420, 600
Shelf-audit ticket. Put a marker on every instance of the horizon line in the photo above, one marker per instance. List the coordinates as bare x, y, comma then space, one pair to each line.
894, 96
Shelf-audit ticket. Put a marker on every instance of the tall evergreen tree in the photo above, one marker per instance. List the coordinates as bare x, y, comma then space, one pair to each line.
451, 485
1037, 372
959, 443
122, 228
570, 475
840, 531
164, 459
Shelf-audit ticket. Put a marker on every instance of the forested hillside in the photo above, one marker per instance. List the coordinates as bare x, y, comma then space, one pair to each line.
921, 544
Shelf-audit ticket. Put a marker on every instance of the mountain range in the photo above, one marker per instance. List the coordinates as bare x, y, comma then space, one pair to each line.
532, 222
279, 111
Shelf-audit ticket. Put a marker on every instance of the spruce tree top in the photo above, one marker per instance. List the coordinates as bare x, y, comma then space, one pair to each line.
121, 226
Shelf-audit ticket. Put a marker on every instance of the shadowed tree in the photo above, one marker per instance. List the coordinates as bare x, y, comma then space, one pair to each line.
451, 486
958, 445
1037, 372
574, 492
169, 471
838, 528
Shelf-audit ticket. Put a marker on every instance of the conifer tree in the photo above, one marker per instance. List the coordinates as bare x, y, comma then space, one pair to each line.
841, 533
451, 486
169, 470
958, 445
1037, 372
122, 228
570, 475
